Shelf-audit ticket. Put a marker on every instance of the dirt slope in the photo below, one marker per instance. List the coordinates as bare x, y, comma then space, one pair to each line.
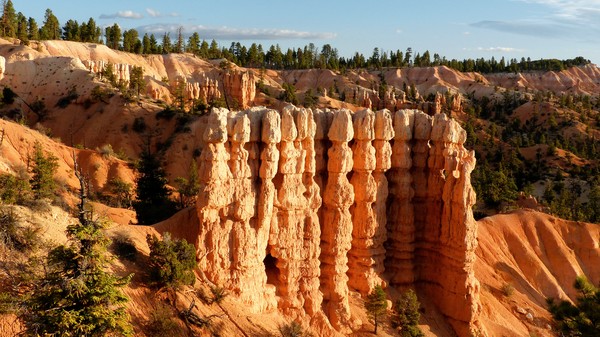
539, 256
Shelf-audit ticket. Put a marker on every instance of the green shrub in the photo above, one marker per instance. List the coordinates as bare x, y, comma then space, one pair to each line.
293, 329
15, 236
218, 294
508, 289
124, 247
139, 124
163, 323
15, 189
172, 262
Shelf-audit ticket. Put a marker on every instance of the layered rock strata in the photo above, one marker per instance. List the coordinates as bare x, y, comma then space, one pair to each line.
298, 208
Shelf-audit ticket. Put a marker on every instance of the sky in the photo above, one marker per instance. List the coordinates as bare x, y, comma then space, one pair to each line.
452, 28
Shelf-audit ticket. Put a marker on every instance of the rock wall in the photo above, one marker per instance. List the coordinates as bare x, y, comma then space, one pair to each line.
298, 208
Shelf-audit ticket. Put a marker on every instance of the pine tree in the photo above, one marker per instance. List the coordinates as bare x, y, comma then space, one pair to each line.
172, 262
376, 306
406, 315
32, 29
166, 43
44, 167
8, 21
153, 203
137, 83
22, 28
77, 296
188, 188
51, 28
582, 319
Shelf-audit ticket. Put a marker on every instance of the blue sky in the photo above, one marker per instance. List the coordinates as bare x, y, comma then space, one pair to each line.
455, 29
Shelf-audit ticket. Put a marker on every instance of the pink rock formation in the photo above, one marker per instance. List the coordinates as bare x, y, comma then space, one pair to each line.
240, 88
368, 232
122, 71
288, 206
2, 67
205, 89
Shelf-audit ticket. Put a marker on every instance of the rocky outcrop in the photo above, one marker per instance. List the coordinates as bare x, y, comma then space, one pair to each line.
239, 88
121, 71
298, 208
205, 89
2, 67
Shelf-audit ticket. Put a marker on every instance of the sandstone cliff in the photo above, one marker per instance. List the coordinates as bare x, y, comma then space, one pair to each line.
290, 200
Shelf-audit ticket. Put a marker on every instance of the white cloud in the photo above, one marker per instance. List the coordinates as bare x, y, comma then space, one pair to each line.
156, 14
153, 13
495, 49
499, 49
576, 19
229, 33
123, 15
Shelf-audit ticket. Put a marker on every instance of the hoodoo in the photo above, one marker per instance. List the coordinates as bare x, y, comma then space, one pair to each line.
290, 200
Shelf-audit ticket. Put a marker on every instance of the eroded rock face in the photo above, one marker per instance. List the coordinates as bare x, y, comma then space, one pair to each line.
300, 207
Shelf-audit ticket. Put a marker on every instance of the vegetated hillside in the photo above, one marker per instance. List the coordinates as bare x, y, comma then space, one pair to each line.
535, 132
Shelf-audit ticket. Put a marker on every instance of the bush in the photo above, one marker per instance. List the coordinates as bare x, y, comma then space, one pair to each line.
106, 151
15, 189
139, 124
218, 294
172, 262
293, 329
124, 247
162, 323
15, 236
508, 290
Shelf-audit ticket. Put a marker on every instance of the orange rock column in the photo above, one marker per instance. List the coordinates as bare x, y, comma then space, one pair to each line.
361, 257
384, 132
311, 249
215, 194
336, 237
287, 229
401, 223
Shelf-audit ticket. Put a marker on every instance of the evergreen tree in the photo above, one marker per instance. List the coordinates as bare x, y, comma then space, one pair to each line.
70, 31
130, 40
582, 319
8, 21
146, 45
179, 45
44, 167
376, 306
51, 28
113, 36
33, 32
166, 43
406, 315
77, 296
188, 188
22, 28
153, 44
137, 83
153, 203
193, 44
172, 262
90, 32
